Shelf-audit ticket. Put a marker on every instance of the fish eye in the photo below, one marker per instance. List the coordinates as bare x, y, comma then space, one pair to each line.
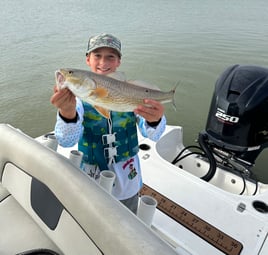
70, 72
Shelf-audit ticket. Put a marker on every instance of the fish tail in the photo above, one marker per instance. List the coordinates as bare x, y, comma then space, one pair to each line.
173, 99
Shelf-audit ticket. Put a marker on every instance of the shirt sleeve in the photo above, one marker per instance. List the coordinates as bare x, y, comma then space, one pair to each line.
153, 133
68, 134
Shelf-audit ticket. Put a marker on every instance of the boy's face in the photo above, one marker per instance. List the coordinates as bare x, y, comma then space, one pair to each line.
103, 60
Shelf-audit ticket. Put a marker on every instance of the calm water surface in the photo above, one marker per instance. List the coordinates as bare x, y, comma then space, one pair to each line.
164, 42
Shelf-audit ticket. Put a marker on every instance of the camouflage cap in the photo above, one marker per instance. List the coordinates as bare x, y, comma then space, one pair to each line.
104, 40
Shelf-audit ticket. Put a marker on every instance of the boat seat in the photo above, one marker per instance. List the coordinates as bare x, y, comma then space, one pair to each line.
27, 208
19, 232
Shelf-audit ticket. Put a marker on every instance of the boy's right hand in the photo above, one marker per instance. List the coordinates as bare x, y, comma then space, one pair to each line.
65, 101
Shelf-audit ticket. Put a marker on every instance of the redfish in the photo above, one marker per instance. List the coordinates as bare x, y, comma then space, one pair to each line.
107, 94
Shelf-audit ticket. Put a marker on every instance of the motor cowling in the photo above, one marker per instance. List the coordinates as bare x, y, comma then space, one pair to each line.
238, 117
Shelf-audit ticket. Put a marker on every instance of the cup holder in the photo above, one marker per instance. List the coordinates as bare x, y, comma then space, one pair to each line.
260, 206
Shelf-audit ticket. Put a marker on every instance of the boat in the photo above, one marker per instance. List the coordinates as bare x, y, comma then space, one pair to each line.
209, 201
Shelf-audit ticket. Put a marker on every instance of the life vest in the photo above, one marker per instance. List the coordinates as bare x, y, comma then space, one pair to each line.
103, 140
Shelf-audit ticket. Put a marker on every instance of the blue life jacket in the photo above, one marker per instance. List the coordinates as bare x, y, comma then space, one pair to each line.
99, 141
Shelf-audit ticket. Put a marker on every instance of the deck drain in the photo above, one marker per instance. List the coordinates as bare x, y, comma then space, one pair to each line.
260, 206
144, 147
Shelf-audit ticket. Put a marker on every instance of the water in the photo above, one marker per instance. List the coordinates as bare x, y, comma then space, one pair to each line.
164, 42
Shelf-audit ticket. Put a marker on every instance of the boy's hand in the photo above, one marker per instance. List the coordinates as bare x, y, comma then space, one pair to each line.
65, 101
152, 111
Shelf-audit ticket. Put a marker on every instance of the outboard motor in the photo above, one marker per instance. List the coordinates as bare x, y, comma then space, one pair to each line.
237, 123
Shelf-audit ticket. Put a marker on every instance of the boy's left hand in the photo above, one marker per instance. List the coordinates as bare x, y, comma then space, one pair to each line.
152, 111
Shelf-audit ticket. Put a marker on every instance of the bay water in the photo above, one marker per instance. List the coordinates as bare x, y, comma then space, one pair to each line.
163, 42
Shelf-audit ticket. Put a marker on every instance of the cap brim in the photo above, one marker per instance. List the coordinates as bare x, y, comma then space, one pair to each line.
104, 46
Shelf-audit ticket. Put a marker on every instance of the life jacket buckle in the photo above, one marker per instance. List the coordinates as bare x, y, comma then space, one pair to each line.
110, 152
108, 138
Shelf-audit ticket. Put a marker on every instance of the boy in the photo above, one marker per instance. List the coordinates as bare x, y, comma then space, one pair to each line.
107, 144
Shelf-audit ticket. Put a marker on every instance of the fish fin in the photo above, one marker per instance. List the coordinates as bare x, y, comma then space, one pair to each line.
118, 76
104, 112
99, 93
